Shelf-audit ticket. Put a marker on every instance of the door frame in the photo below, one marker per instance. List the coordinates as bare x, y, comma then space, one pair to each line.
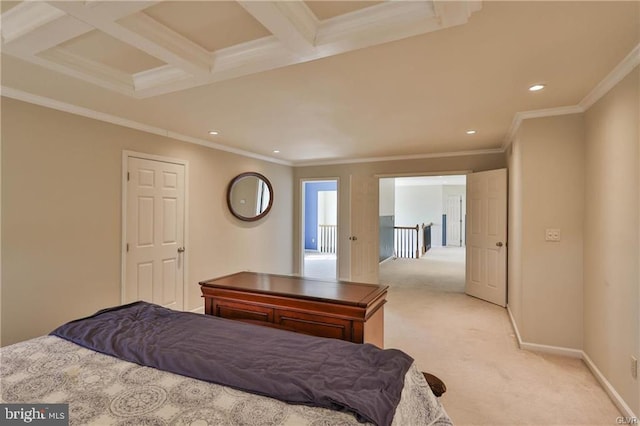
302, 221
420, 174
126, 154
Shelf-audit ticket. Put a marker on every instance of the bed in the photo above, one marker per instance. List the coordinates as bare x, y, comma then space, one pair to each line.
141, 364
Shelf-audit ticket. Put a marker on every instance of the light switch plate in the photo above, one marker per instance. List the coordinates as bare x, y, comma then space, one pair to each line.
552, 234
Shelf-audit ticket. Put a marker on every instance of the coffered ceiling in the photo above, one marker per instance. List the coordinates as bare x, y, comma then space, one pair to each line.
318, 81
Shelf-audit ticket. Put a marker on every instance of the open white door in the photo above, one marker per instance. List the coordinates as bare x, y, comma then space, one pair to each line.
486, 261
155, 215
364, 228
453, 210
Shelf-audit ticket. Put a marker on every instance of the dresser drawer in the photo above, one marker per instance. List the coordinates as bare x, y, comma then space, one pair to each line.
242, 311
315, 325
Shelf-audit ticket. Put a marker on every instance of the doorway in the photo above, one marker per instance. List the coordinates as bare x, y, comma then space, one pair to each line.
153, 230
425, 213
320, 228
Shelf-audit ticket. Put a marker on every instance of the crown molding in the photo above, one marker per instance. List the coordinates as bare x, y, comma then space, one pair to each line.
519, 117
628, 64
160, 76
235, 57
20, 95
399, 157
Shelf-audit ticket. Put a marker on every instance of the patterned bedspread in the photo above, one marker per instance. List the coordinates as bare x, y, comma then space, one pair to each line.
104, 390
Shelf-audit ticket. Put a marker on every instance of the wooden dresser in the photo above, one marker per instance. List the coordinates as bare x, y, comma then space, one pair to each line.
338, 309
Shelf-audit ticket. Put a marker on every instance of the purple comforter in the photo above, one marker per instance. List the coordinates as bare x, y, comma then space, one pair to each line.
291, 367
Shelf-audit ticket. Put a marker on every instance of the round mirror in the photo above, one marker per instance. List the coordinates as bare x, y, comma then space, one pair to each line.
249, 196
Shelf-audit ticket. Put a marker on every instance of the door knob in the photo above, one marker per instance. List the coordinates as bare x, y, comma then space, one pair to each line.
353, 238
499, 243
180, 249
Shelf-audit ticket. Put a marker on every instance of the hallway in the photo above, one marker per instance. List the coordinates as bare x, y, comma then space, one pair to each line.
440, 269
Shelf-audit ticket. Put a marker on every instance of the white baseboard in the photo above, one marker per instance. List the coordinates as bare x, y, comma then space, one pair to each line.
535, 347
515, 327
553, 350
608, 388
199, 310
575, 353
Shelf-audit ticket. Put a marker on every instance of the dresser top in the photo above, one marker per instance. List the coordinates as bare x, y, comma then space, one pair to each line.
342, 292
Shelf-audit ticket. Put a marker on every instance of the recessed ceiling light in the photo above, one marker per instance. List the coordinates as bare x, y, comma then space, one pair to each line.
536, 87
276, 151
213, 132
471, 132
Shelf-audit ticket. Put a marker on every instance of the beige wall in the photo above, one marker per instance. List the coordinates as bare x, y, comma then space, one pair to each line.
580, 173
381, 168
611, 250
61, 209
548, 192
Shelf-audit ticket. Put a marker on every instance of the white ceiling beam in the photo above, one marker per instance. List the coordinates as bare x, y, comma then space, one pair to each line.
252, 57
104, 11
26, 17
90, 68
47, 36
301, 16
290, 22
451, 13
81, 73
298, 36
247, 58
160, 77
190, 53
164, 45
382, 23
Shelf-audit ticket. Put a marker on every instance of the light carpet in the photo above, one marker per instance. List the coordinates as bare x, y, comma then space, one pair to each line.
471, 346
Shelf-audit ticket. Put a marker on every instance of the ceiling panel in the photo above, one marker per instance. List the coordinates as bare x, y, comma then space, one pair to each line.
6, 5
330, 9
213, 25
413, 96
106, 50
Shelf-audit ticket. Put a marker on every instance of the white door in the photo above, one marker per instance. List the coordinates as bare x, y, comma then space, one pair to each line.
486, 254
155, 205
454, 220
364, 228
